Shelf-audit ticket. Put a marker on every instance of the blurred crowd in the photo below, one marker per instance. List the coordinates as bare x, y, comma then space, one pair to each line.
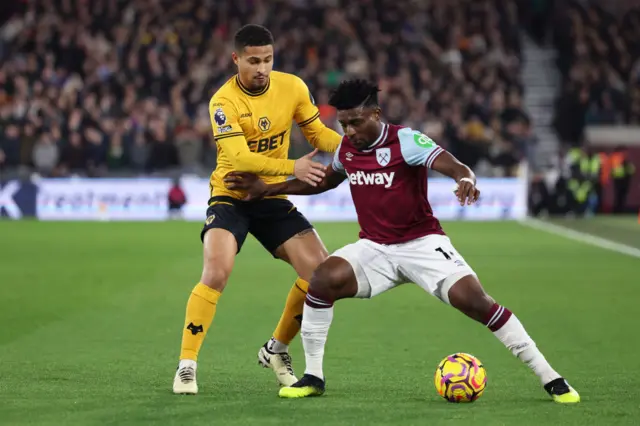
121, 86
599, 58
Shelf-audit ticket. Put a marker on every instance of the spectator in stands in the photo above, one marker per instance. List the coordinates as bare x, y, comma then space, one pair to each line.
73, 159
139, 152
128, 81
162, 153
116, 158
45, 155
177, 199
10, 145
599, 57
27, 142
189, 146
622, 171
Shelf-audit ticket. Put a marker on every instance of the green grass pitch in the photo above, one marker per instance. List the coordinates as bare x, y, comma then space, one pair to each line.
91, 316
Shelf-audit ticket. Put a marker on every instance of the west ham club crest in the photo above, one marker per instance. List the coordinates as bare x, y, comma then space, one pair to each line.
383, 155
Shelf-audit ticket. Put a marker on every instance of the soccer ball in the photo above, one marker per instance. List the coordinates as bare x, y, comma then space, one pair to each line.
460, 378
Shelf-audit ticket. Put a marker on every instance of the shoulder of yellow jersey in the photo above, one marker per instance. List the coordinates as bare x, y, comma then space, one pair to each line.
292, 82
226, 92
285, 77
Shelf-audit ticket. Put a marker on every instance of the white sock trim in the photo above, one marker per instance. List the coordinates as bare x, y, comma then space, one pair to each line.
318, 301
184, 363
276, 346
314, 331
496, 316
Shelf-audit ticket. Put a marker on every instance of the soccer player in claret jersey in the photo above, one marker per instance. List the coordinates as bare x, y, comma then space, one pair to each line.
400, 239
251, 116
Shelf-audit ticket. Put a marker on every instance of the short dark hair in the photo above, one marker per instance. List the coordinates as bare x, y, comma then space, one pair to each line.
354, 93
252, 35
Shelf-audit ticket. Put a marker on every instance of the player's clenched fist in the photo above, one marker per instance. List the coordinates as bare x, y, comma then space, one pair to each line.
467, 191
308, 170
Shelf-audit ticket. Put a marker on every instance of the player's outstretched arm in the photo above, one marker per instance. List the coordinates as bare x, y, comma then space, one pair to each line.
256, 188
449, 165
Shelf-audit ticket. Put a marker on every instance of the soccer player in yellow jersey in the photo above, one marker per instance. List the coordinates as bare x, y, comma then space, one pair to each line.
252, 114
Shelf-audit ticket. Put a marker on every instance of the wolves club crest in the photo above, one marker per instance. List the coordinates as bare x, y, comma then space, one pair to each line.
383, 155
264, 123
219, 117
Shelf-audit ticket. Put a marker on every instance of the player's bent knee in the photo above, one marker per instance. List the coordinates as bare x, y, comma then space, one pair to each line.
333, 279
216, 271
215, 277
322, 279
468, 296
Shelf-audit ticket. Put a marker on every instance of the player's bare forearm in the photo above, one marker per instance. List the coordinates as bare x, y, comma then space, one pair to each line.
298, 187
449, 165
295, 187
256, 188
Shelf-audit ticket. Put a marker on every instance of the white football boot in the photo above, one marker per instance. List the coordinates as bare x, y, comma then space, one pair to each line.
280, 363
184, 383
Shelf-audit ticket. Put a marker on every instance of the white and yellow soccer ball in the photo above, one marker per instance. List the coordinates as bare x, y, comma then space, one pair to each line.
460, 378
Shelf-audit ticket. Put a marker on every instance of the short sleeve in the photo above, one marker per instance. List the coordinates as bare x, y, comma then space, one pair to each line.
417, 148
337, 164
224, 119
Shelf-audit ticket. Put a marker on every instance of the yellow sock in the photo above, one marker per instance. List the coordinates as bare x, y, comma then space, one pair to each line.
201, 308
291, 318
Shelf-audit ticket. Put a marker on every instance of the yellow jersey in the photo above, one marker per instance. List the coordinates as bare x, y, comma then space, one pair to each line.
252, 129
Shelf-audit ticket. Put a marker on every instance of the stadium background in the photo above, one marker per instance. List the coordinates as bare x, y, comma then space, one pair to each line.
103, 108
121, 89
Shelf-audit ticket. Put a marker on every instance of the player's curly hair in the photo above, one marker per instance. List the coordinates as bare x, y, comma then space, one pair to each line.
354, 93
252, 35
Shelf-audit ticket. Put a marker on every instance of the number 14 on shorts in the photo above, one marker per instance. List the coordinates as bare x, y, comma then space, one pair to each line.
450, 256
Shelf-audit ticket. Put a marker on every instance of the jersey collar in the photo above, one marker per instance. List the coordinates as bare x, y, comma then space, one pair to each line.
249, 92
381, 139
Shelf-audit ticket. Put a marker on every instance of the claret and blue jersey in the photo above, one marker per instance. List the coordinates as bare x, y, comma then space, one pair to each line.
388, 184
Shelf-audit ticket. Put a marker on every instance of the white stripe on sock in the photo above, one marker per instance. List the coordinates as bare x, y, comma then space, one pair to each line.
495, 316
318, 301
